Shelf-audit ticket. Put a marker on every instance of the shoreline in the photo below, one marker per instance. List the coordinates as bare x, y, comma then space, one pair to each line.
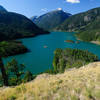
12, 48
95, 42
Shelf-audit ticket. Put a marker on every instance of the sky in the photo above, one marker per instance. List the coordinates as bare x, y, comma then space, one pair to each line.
31, 8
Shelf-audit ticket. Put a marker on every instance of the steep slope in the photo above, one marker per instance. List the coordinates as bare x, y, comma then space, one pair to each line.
51, 19
13, 25
91, 32
2, 9
75, 84
86, 23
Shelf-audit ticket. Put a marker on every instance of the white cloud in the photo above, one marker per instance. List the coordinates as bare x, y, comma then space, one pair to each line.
73, 1
44, 9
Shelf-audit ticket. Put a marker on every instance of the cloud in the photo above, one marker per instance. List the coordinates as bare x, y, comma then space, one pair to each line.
73, 1
44, 9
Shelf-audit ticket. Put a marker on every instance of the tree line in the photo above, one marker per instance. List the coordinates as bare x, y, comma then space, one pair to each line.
70, 58
14, 73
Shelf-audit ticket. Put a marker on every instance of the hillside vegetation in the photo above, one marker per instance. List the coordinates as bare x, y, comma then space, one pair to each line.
10, 48
86, 25
13, 25
75, 84
71, 58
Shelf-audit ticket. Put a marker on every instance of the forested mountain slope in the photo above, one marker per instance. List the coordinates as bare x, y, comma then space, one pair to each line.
86, 24
13, 25
51, 19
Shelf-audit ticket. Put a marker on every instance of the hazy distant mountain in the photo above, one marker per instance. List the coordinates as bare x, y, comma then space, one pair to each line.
51, 19
87, 24
13, 25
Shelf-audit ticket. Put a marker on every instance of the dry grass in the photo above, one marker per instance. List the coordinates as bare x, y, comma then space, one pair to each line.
77, 84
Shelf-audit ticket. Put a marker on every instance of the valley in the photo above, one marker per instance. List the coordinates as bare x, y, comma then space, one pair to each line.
45, 55
54, 55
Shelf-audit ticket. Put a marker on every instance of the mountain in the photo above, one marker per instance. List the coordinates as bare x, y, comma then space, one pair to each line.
13, 25
2, 9
86, 25
51, 19
76, 84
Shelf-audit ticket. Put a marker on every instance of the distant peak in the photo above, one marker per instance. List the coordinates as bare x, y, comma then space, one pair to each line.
59, 8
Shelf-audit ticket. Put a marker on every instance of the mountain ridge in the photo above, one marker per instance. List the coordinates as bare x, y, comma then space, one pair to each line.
85, 24
2, 9
51, 19
14, 25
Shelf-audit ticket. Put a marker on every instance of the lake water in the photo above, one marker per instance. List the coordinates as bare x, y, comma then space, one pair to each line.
40, 58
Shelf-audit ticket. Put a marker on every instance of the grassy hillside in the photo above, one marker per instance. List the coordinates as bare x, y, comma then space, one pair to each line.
75, 84
86, 24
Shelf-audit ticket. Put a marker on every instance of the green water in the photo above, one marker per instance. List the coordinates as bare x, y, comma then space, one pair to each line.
40, 58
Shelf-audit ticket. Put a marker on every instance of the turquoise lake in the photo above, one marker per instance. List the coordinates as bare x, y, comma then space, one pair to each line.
40, 58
